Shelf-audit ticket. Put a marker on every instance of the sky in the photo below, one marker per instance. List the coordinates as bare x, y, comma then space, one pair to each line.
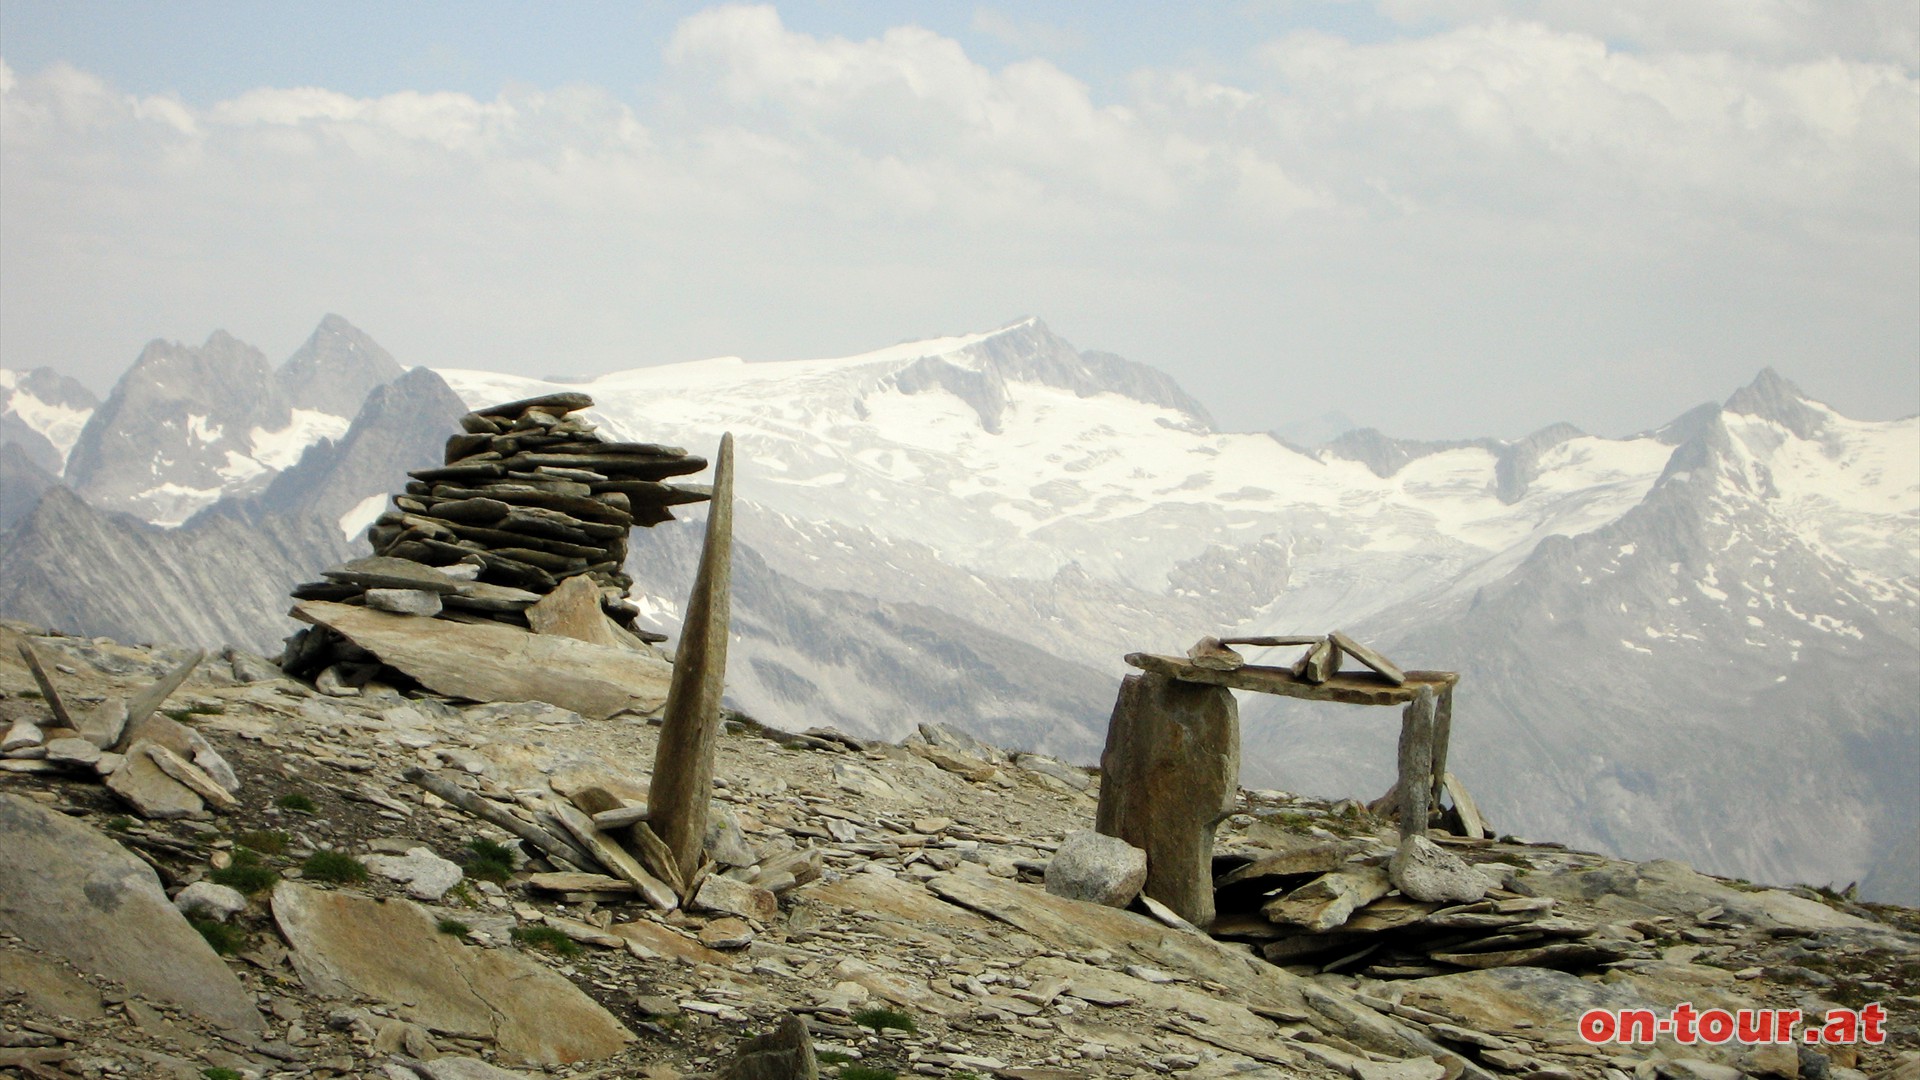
1440, 218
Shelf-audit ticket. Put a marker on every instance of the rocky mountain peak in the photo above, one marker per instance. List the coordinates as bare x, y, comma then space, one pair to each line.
41, 414
1028, 351
1771, 397
178, 417
335, 368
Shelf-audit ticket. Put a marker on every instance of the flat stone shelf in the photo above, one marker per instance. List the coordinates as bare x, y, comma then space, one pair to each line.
1426, 723
1348, 687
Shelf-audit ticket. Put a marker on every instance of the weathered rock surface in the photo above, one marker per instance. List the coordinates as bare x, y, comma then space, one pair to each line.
921, 893
1424, 871
149, 790
1171, 768
68, 890
500, 663
1327, 901
425, 875
211, 901
419, 602
346, 945
1100, 869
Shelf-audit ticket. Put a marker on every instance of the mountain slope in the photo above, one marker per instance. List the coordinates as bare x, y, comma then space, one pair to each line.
1729, 670
42, 413
223, 577
219, 581
187, 425
335, 369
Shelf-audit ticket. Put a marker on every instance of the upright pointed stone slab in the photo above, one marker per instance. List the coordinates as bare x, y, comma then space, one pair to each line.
683, 764
1168, 777
143, 704
48, 692
1320, 663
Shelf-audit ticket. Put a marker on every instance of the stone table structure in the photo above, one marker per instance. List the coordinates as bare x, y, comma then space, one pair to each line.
1171, 764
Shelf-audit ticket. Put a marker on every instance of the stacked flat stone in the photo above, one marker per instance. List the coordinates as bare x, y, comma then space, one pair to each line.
529, 495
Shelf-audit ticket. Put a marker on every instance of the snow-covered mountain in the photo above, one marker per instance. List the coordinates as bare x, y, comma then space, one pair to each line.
187, 425
42, 413
1699, 641
1753, 553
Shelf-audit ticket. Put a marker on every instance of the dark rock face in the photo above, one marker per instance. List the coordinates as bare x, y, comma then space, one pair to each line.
1517, 464
179, 428
400, 425
1771, 397
220, 580
335, 370
1029, 352
22, 482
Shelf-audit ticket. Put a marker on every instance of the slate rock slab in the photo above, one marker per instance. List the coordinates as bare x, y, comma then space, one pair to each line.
69, 890
346, 945
496, 662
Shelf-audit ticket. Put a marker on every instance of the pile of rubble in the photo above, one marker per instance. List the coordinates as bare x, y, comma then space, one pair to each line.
159, 767
530, 498
1333, 905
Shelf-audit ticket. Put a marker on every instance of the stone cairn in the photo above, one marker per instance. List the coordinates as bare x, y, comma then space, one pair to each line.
529, 496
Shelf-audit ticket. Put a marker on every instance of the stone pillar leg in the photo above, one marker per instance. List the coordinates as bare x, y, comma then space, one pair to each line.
1416, 763
1169, 775
1442, 734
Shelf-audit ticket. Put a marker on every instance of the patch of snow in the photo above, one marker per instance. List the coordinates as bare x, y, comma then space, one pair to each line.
239, 468
354, 521
58, 424
200, 431
170, 504
279, 449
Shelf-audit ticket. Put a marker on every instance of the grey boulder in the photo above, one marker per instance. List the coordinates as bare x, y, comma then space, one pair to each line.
1100, 869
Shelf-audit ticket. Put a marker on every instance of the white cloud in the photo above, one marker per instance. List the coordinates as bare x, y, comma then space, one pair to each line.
1458, 205
1882, 30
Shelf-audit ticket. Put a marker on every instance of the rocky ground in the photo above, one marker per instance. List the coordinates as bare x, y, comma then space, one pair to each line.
926, 945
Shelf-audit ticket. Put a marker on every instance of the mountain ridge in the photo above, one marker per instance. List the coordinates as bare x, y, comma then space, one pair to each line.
998, 501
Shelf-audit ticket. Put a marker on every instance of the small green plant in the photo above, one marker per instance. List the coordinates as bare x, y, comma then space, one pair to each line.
217, 1072
334, 866
832, 1057
34, 695
225, 939
488, 861
207, 708
265, 841
1294, 821
867, 1072
119, 823
178, 716
547, 938
454, 927
296, 802
880, 1018
245, 873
